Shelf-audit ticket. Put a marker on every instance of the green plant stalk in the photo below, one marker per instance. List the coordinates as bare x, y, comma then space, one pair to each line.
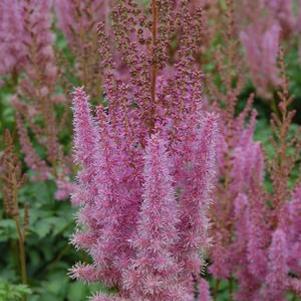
230, 289
22, 257
216, 289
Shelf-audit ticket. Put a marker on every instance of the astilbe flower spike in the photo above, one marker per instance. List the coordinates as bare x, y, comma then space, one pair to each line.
261, 42
101, 182
277, 273
147, 160
139, 250
197, 179
26, 24
12, 50
153, 274
282, 12
248, 239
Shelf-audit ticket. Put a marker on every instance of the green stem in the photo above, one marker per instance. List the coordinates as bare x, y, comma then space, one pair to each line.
21, 252
216, 289
230, 289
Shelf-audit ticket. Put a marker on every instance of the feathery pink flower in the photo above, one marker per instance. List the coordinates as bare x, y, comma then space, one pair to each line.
282, 12
258, 236
276, 279
12, 52
261, 43
196, 181
41, 170
290, 223
152, 275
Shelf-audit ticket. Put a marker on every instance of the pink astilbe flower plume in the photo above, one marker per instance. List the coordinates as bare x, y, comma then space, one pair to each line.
88, 151
198, 177
147, 161
36, 96
261, 42
32, 159
282, 12
146, 252
12, 52
276, 279
109, 204
86, 135
152, 275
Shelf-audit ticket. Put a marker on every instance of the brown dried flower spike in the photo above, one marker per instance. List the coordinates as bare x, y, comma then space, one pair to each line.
11, 180
11, 177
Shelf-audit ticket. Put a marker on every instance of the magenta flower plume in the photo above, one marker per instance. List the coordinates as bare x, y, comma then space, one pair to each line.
12, 50
197, 180
118, 197
86, 145
152, 275
39, 166
282, 11
204, 291
86, 136
148, 165
239, 247
290, 223
107, 192
261, 43
88, 153
238, 251
258, 235
132, 222
276, 280
86, 149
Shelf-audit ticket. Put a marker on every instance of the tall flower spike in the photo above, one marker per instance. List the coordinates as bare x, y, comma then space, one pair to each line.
86, 137
87, 155
109, 193
276, 279
258, 234
262, 43
31, 157
11, 47
282, 11
153, 273
197, 181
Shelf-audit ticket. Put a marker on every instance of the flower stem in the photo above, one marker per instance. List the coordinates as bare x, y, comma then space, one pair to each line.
22, 257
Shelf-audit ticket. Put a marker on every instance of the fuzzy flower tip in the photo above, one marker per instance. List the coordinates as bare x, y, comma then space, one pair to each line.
85, 134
